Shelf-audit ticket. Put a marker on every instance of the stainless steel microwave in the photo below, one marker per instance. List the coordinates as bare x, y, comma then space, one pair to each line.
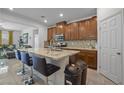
59, 38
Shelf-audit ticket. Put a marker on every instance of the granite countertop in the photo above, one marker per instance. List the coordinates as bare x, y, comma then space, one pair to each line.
55, 55
78, 48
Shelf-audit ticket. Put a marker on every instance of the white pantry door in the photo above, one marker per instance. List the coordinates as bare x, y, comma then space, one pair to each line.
110, 48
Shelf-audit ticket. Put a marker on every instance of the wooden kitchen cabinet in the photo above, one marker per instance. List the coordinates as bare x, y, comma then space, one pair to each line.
88, 56
88, 29
82, 56
82, 30
60, 28
71, 32
74, 31
91, 59
51, 33
54, 31
92, 28
67, 32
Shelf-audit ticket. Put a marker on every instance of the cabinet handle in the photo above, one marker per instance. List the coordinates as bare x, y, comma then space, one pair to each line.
118, 53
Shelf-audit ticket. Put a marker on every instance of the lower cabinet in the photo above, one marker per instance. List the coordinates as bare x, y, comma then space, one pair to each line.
90, 57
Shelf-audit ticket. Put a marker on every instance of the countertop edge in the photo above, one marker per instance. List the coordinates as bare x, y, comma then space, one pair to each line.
74, 48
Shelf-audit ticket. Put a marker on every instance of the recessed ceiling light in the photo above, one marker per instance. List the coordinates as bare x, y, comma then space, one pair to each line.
45, 21
42, 16
61, 14
11, 9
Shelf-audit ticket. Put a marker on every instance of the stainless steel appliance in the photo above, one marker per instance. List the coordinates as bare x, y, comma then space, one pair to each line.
59, 38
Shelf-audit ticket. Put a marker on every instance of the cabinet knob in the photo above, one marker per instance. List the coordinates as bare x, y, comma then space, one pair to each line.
118, 53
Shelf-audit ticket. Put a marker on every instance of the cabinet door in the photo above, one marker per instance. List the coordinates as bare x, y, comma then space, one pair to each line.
88, 29
74, 31
60, 29
82, 56
82, 30
49, 37
92, 28
92, 59
67, 32
53, 32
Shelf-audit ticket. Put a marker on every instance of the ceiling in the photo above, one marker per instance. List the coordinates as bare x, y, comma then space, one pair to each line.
11, 26
52, 14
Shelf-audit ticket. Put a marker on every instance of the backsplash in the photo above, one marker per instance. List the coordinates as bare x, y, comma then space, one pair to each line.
82, 43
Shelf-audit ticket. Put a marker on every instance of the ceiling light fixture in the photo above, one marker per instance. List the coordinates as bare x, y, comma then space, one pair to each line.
44, 18
11, 9
61, 14
45, 21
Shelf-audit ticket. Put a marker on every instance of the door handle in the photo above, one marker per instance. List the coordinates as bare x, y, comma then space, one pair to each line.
118, 53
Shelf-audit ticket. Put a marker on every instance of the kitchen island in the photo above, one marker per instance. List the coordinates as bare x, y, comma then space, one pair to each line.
59, 58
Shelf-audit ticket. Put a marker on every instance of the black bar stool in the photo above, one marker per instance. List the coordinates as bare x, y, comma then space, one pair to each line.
18, 57
26, 59
40, 65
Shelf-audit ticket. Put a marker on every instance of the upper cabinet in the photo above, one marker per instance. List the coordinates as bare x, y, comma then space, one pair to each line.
81, 30
51, 33
88, 29
68, 32
92, 28
71, 32
60, 28
74, 31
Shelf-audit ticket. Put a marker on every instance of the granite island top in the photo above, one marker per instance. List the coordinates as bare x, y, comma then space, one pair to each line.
78, 48
55, 55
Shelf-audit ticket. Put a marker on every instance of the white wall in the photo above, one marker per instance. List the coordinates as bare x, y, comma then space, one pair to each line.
5, 39
103, 13
42, 36
16, 36
30, 36
123, 43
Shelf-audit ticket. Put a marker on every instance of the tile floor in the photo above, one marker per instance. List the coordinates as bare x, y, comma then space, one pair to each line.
10, 78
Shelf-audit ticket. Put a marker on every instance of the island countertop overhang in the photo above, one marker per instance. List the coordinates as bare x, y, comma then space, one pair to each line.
55, 55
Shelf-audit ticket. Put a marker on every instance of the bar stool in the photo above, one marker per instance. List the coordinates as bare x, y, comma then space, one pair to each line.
18, 57
26, 59
40, 65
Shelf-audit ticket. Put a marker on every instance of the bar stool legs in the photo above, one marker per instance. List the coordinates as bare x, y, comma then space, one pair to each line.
22, 71
46, 81
30, 81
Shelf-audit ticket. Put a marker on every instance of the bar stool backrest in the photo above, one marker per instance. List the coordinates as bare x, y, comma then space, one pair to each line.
25, 58
18, 54
39, 64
